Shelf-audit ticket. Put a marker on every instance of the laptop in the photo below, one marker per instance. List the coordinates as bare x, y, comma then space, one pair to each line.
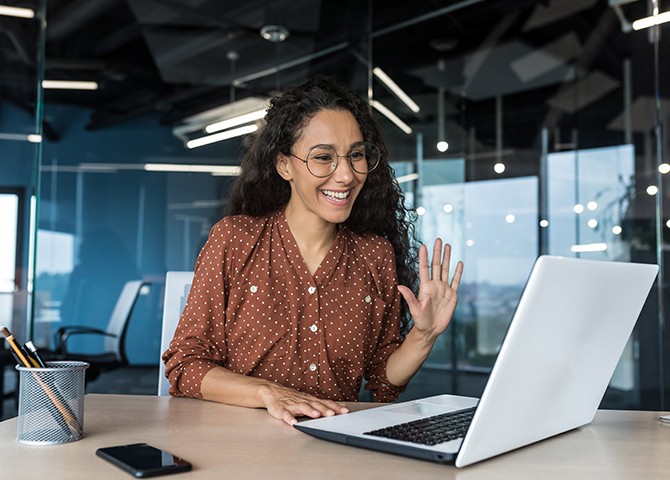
560, 351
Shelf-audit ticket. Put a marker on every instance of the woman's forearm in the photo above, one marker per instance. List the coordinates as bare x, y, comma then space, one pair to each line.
223, 386
408, 358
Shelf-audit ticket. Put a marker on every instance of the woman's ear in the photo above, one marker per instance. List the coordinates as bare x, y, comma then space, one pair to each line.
283, 167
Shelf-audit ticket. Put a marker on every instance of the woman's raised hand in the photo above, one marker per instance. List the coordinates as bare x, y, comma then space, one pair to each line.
434, 307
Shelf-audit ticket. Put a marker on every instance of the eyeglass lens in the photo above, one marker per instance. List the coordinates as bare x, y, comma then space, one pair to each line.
322, 159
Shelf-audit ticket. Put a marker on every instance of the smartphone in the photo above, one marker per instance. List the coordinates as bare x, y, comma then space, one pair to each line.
143, 460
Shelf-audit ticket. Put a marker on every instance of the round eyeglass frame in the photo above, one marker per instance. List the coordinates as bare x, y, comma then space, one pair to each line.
368, 145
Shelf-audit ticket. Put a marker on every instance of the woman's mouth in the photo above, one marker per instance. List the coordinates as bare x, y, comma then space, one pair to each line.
336, 197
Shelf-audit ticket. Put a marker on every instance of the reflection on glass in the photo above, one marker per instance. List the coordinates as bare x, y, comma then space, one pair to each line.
602, 178
498, 249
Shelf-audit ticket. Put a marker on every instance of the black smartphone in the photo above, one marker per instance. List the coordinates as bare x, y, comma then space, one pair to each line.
143, 460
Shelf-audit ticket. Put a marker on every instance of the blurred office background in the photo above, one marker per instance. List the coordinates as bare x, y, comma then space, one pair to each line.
553, 117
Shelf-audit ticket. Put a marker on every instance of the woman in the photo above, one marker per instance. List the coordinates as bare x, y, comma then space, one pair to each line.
295, 298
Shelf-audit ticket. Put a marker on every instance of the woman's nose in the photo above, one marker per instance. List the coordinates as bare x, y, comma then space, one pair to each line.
343, 172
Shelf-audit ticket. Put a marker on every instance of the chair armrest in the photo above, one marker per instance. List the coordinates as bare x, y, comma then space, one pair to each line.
62, 335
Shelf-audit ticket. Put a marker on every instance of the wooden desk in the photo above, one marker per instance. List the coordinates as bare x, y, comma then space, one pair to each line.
238, 443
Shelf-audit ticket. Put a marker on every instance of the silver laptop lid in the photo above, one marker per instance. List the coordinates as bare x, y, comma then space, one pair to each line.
568, 332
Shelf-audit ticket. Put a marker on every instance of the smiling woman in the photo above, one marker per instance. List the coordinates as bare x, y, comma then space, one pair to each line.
297, 296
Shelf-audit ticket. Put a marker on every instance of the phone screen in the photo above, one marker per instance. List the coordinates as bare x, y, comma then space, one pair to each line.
143, 460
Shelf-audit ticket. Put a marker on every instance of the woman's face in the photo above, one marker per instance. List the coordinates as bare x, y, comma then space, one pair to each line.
331, 198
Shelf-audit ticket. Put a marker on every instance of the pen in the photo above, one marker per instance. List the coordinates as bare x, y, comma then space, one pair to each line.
32, 352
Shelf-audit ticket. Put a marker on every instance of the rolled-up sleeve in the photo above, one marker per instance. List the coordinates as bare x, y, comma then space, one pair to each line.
199, 342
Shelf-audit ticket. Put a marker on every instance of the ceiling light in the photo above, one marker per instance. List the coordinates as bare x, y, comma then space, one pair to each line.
442, 146
544, 223
652, 190
578, 208
592, 205
592, 223
420, 211
69, 85
225, 170
17, 12
499, 167
616, 230
274, 33
399, 92
509, 218
222, 117
651, 21
391, 116
218, 137
407, 178
664, 168
22, 137
235, 121
589, 247
448, 208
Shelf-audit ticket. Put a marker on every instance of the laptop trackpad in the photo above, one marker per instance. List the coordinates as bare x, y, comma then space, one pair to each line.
423, 409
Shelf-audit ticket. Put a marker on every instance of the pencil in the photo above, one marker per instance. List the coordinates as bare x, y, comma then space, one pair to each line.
15, 346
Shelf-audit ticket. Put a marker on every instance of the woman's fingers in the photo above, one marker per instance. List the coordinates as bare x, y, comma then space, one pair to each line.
287, 404
436, 263
456, 280
424, 273
446, 262
439, 265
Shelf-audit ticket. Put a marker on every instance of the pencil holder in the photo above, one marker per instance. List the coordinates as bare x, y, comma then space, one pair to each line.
51, 403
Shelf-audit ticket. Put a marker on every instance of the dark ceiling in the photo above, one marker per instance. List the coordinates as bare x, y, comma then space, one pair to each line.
178, 58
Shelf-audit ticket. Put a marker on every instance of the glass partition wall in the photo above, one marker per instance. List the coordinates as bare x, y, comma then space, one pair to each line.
551, 116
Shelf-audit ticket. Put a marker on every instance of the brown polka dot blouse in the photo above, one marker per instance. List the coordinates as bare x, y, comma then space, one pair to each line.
255, 309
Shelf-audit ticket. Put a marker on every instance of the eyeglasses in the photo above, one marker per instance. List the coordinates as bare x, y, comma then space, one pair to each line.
322, 160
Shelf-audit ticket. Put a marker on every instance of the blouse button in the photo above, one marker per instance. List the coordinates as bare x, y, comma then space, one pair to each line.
313, 328
368, 299
311, 290
253, 289
312, 367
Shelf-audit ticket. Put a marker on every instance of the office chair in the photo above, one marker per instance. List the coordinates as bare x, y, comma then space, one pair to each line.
113, 355
177, 286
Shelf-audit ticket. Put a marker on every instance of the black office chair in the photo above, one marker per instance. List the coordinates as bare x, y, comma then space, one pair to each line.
113, 354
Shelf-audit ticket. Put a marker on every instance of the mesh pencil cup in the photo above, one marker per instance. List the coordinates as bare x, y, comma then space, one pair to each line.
51, 403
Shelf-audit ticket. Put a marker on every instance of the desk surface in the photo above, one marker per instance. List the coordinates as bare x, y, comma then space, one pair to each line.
239, 443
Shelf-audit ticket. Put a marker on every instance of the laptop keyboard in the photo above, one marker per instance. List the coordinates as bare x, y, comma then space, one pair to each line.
431, 430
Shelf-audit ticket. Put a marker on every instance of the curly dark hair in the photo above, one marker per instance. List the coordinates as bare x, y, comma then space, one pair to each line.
379, 207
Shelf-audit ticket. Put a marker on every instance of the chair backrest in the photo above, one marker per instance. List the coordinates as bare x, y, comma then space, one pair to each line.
177, 286
120, 318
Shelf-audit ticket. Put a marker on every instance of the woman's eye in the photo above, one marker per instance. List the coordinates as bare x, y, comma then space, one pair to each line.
323, 157
355, 156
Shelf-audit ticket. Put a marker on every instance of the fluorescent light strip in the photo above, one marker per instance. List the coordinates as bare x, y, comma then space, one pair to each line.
22, 137
407, 178
217, 137
225, 170
651, 21
589, 247
235, 121
399, 92
69, 85
17, 12
391, 116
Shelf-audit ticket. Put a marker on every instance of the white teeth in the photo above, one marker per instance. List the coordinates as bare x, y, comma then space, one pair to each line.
340, 195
